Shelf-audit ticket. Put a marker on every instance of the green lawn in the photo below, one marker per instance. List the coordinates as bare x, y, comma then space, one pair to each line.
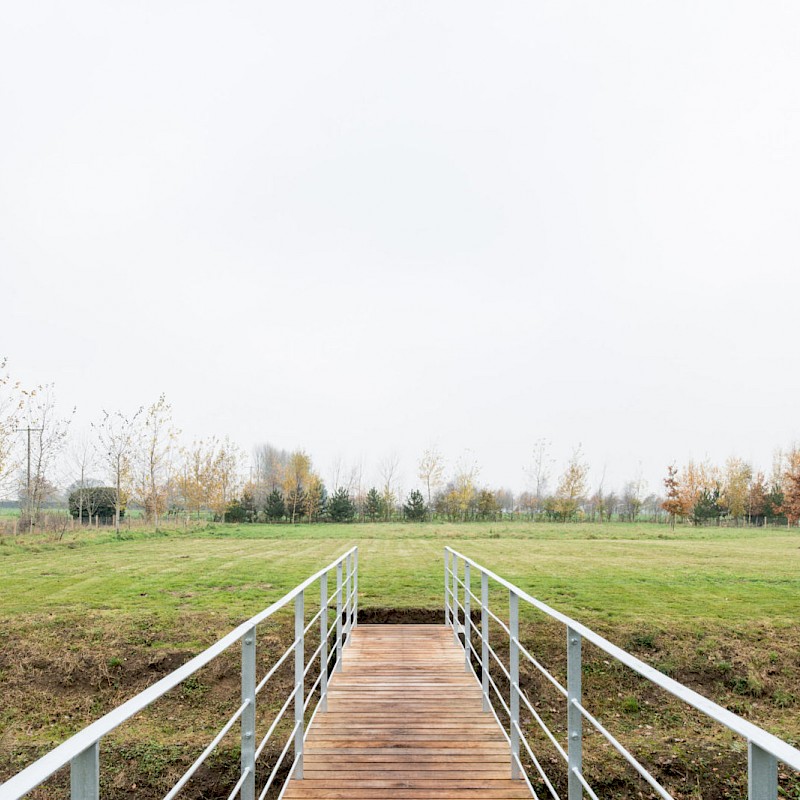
595, 573
88, 621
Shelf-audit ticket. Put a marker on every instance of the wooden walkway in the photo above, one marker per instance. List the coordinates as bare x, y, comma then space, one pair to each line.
404, 722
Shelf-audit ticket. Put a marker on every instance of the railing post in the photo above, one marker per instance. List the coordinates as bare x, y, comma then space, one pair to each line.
762, 774
84, 774
485, 639
248, 759
513, 669
299, 682
454, 597
323, 639
446, 586
347, 597
574, 719
355, 587
467, 620
338, 665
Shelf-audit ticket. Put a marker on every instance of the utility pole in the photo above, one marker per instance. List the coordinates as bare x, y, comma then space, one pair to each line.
28, 429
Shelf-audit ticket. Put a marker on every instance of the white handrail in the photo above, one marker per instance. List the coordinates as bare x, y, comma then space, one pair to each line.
85, 741
765, 748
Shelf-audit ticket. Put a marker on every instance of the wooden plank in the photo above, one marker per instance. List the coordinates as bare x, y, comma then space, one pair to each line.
405, 722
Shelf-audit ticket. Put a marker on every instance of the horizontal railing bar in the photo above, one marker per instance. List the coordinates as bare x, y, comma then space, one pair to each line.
312, 658
542, 725
311, 692
624, 753
330, 630
577, 773
524, 773
206, 753
783, 751
464, 586
313, 620
29, 778
536, 763
478, 659
540, 667
499, 724
279, 762
313, 717
334, 595
499, 662
236, 789
276, 666
491, 706
332, 654
499, 694
498, 620
276, 721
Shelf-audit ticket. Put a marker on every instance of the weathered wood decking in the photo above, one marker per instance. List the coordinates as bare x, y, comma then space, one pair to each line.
404, 722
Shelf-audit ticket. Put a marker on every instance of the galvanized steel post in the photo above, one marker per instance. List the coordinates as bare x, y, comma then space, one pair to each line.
355, 587
485, 639
762, 774
84, 774
323, 641
338, 666
574, 719
446, 586
513, 668
248, 727
299, 682
467, 620
454, 596
347, 605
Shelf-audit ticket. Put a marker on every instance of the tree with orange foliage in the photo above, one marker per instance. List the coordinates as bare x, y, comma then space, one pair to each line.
791, 488
672, 503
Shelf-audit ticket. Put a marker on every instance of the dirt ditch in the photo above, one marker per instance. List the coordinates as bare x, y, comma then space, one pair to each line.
56, 676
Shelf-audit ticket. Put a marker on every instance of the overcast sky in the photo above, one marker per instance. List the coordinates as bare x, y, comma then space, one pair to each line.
367, 227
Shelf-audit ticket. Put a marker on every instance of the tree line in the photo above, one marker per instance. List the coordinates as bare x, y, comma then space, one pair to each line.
703, 492
138, 459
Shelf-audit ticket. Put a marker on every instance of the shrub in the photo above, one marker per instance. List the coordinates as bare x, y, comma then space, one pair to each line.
96, 501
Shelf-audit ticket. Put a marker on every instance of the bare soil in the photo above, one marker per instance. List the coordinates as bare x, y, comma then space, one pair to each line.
59, 674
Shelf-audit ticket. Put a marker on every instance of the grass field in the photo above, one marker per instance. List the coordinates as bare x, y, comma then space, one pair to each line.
90, 620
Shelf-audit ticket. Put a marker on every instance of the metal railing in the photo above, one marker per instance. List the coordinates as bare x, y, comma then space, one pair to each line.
82, 751
765, 750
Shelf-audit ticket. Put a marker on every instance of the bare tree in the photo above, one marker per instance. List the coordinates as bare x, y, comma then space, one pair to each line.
539, 470
269, 465
153, 461
82, 460
227, 468
49, 435
116, 447
10, 406
388, 470
430, 470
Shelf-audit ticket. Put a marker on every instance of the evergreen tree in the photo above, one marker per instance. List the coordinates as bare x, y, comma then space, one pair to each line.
341, 508
708, 506
234, 512
296, 504
374, 507
773, 505
249, 506
414, 507
274, 508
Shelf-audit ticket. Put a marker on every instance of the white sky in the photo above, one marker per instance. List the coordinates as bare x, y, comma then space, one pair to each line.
364, 227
